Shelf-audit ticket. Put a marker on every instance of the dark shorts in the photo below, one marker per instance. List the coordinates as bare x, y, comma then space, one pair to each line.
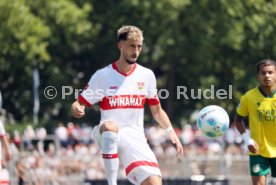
261, 166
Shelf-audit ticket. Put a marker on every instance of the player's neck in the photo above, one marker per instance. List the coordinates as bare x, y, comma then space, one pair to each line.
268, 90
124, 67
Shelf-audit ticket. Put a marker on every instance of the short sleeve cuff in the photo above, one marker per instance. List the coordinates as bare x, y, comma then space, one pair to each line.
153, 101
84, 101
240, 113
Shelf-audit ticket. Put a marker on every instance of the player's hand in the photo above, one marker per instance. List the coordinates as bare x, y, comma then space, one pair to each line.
175, 140
78, 110
253, 148
251, 144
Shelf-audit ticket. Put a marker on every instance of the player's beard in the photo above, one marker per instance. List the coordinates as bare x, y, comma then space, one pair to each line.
130, 62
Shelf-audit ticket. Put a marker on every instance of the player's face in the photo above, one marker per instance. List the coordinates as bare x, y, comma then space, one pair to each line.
130, 50
267, 76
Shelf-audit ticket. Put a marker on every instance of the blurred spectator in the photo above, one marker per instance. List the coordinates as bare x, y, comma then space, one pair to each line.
20, 171
214, 147
14, 150
16, 139
232, 141
86, 134
77, 134
41, 135
70, 130
28, 136
187, 135
81, 156
62, 135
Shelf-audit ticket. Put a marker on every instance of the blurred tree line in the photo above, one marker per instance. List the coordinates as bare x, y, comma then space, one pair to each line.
194, 44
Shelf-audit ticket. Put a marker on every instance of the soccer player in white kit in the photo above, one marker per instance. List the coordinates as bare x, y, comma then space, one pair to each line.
122, 89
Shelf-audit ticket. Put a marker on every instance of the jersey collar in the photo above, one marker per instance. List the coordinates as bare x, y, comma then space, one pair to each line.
263, 93
114, 66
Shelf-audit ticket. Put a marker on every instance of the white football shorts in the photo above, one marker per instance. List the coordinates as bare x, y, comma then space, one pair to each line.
135, 154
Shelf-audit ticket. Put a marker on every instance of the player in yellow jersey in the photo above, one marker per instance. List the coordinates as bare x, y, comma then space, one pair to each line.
259, 106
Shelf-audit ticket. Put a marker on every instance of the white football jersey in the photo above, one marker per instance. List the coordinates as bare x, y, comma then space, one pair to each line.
122, 97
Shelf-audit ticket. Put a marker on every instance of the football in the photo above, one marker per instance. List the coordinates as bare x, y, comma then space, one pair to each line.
213, 121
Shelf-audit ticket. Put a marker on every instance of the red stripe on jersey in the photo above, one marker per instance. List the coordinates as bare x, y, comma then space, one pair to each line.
1, 136
110, 156
123, 102
4, 182
153, 101
84, 101
140, 163
129, 73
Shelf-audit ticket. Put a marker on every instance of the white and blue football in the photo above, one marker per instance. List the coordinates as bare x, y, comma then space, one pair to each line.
213, 121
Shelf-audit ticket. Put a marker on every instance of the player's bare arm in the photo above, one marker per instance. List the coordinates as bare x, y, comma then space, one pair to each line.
252, 145
5, 144
162, 118
78, 109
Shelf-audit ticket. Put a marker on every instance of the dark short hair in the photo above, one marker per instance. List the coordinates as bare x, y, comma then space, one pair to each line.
122, 36
265, 62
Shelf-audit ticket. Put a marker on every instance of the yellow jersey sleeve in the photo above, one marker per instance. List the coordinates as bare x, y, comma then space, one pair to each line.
242, 108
